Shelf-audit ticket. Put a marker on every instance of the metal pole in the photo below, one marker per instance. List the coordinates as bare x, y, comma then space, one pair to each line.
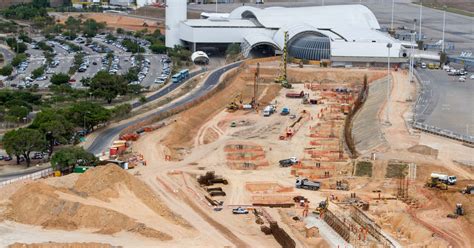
387, 112
322, 2
393, 6
412, 50
444, 27
421, 14
216, 6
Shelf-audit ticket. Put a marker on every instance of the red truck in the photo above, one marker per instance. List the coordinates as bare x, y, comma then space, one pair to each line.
295, 95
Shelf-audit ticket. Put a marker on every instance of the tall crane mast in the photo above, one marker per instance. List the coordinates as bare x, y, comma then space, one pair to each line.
255, 86
283, 78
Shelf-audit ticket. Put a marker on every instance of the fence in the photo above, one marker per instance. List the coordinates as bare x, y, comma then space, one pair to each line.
33, 176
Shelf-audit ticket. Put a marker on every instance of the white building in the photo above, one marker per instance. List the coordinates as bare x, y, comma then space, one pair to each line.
339, 33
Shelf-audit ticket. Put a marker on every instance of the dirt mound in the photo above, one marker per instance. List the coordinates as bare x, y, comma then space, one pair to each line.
41, 204
60, 245
102, 183
424, 150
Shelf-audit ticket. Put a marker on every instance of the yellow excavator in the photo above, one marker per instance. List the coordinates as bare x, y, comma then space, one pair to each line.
323, 206
282, 78
235, 104
435, 183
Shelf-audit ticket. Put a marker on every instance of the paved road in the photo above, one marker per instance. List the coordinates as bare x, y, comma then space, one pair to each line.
446, 103
103, 140
7, 54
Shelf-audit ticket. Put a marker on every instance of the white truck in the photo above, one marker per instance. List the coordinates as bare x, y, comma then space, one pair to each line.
451, 180
288, 162
269, 110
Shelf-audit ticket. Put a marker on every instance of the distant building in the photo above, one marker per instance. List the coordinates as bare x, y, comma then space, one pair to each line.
338, 33
124, 3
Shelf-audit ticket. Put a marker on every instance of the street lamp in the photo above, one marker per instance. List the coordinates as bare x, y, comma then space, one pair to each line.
444, 27
421, 14
387, 119
412, 50
393, 6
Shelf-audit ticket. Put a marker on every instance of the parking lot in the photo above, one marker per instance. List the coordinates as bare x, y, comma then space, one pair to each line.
445, 102
94, 61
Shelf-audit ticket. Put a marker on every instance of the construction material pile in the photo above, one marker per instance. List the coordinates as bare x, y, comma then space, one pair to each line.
52, 207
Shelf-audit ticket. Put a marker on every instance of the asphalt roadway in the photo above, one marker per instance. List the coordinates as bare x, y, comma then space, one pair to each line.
445, 103
104, 139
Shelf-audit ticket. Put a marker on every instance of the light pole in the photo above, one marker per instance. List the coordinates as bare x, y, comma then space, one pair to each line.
216, 6
393, 6
387, 118
322, 2
412, 50
444, 27
421, 14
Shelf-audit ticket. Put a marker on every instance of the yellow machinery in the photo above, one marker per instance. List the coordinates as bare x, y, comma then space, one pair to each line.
235, 104
323, 206
282, 78
435, 183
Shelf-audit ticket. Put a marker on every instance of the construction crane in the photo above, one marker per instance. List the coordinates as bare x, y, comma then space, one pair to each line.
282, 78
255, 87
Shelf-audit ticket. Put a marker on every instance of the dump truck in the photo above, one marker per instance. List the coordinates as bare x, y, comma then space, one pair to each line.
450, 180
288, 162
295, 94
304, 183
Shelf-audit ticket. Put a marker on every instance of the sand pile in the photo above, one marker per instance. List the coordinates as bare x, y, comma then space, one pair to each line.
102, 182
40, 204
424, 150
61, 245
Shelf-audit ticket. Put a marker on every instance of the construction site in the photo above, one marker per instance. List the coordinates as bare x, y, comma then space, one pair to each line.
280, 154
360, 182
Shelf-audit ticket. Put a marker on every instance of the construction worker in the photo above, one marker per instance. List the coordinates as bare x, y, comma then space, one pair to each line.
306, 209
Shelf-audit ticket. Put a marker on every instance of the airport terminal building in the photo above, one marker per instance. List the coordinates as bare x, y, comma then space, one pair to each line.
341, 33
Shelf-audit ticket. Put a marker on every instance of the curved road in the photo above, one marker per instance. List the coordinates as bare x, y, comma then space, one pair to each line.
104, 139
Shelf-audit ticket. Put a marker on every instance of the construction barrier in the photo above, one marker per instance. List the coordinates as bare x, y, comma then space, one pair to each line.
33, 176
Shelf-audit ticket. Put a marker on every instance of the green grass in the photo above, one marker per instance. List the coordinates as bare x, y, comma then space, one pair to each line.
396, 170
363, 168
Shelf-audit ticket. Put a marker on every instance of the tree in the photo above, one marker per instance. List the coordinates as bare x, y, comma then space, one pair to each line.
56, 123
18, 112
158, 48
132, 74
6, 70
59, 78
233, 49
22, 142
37, 72
120, 31
110, 36
18, 47
107, 86
69, 157
18, 59
88, 115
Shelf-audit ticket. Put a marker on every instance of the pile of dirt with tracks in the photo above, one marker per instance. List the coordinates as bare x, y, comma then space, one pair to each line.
42, 204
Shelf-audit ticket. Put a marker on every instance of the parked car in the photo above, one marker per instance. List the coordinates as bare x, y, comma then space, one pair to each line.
240, 210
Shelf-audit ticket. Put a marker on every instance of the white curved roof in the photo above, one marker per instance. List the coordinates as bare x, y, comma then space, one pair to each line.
320, 16
293, 30
199, 55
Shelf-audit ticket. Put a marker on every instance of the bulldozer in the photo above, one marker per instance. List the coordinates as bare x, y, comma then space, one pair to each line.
435, 183
468, 190
235, 104
323, 206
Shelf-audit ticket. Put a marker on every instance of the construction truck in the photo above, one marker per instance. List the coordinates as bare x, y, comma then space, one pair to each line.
269, 110
304, 183
450, 180
288, 162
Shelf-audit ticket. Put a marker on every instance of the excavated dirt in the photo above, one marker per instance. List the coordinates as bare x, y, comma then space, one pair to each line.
61, 245
424, 150
51, 207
